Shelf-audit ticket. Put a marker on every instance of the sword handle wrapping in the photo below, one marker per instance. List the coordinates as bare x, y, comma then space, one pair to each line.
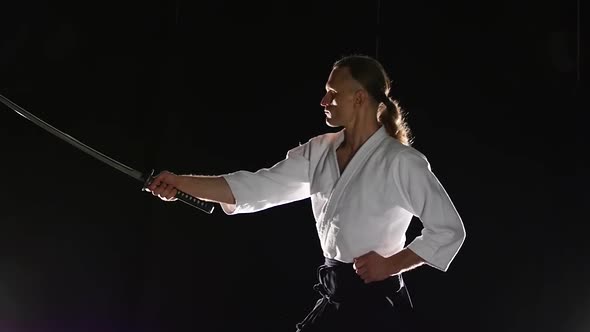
194, 202
186, 198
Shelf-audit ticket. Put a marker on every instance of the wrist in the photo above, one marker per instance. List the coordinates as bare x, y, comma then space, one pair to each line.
394, 263
181, 182
403, 261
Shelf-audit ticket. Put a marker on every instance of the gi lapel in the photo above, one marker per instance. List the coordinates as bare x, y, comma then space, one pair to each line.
351, 169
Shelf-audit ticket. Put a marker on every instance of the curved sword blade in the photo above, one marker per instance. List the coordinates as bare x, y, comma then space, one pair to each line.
182, 196
96, 154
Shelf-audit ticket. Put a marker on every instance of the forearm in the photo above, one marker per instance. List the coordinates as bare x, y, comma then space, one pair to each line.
405, 260
207, 188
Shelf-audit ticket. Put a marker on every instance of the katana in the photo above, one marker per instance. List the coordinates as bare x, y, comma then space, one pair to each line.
145, 179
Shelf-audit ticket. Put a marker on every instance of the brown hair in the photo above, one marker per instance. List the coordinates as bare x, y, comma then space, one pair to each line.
372, 76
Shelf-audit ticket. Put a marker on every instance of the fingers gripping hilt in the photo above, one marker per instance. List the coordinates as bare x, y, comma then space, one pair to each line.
184, 197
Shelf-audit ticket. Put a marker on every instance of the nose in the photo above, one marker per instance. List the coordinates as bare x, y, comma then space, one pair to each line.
326, 100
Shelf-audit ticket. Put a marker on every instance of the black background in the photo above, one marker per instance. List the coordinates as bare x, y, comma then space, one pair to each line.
492, 90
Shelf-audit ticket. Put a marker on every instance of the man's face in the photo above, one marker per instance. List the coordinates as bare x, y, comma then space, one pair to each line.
338, 102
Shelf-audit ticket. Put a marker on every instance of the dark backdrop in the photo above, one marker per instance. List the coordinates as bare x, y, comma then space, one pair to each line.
492, 90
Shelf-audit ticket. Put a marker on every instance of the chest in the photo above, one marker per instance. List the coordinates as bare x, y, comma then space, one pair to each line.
363, 186
343, 157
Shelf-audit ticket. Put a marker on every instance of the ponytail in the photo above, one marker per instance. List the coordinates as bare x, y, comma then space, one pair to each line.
392, 116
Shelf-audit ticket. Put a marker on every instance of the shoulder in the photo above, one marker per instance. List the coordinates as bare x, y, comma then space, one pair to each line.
398, 150
403, 154
323, 139
315, 144
326, 137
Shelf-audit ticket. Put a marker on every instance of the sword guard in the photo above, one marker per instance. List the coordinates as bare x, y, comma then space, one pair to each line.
148, 180
183, 197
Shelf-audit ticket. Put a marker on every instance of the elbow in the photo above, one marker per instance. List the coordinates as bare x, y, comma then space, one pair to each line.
457, 239
456, 243
448, 251
461, 236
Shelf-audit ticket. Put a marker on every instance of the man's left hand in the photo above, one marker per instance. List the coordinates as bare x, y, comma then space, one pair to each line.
373, 267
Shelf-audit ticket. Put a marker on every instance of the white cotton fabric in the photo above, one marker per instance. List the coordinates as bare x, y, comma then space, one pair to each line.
367, 207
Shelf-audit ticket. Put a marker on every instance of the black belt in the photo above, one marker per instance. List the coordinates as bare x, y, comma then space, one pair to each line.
339, 283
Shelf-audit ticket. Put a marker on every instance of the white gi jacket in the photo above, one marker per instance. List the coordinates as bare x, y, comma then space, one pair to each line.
367, 207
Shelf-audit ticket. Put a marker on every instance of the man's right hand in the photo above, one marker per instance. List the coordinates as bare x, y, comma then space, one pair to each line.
164, 185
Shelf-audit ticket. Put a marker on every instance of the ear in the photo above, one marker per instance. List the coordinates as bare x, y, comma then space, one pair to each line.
360, 97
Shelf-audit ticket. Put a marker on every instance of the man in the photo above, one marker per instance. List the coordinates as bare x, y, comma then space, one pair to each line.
365, 183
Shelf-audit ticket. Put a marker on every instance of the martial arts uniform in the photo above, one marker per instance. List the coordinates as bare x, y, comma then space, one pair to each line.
367, 207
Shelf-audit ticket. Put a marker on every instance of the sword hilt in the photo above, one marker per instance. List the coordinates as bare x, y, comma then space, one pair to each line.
184, 197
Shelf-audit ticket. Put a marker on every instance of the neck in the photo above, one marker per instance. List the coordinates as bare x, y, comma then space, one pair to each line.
358, 133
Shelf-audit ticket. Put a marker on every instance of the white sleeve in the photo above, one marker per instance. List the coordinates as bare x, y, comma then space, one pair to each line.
443, 233
286, 181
